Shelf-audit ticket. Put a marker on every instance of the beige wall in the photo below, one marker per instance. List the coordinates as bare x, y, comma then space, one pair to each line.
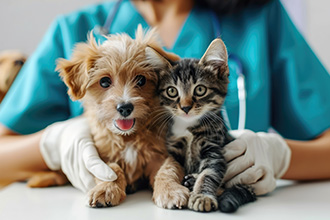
23, 22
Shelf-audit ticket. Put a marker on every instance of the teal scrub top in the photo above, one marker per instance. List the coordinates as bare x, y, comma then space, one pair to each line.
287, 86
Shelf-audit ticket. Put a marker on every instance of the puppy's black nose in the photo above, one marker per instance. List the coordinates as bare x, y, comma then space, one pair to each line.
186, 109
125, 109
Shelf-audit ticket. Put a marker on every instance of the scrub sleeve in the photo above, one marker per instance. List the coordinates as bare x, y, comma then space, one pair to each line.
300, 85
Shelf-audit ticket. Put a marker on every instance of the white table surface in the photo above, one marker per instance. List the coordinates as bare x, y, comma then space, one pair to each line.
290, 200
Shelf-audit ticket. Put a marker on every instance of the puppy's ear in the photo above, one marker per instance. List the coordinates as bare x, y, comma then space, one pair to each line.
216, 56
75, 72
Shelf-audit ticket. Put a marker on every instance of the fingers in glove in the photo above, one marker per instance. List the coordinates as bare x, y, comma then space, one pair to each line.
86, 181
265, 185
248, 177
97, 166
259, 178
234, 149
238, 166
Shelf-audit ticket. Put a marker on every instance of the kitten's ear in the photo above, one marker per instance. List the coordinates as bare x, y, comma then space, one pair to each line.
74, 72
215, 53
216, 56
156, 59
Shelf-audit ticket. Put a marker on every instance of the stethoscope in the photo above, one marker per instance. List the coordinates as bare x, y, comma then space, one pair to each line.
105, 29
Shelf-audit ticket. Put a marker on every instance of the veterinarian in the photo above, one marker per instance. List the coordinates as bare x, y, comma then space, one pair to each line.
286, 88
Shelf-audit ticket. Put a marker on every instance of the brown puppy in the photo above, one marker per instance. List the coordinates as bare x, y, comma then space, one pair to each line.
116, 82
11, 61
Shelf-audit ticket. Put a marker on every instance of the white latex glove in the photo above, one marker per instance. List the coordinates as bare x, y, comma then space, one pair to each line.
68, 145
256, 159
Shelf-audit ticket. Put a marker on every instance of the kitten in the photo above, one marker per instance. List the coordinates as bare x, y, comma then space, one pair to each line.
192, 92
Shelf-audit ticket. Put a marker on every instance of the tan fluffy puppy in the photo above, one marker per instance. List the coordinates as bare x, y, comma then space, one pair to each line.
11, 61
116, 82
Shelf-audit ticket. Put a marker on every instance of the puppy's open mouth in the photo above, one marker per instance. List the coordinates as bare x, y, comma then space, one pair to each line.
124, 124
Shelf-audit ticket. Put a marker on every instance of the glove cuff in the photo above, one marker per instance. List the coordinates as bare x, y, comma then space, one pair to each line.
286, 160
49, 149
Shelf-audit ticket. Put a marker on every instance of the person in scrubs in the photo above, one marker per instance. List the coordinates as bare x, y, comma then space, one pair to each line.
286, 89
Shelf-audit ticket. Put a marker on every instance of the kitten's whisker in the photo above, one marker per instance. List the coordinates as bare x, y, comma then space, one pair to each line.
212, 126
158, 118
217, 117
207, 126
217, 121
164, 124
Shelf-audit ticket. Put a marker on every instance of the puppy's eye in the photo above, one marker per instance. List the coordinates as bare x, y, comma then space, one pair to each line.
105, 82
19, 62
200, 90
172, 92
140, 80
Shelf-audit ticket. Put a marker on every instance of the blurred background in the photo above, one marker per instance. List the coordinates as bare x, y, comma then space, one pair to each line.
24, 22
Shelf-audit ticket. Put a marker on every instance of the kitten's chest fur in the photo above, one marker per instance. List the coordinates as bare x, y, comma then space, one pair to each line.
187, 141
182, 129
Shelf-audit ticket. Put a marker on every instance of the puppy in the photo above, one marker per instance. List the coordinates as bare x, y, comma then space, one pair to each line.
11, 61
116, 82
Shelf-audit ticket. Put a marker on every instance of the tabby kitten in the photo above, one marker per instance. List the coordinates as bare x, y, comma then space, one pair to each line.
192, 92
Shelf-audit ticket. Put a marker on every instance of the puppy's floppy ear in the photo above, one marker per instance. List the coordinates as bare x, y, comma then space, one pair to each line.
75, 72
216, 56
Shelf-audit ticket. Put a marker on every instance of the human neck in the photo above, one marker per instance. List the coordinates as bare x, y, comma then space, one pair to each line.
167, 15
156, 11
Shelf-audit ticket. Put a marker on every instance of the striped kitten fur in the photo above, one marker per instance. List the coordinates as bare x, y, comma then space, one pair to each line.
192, 92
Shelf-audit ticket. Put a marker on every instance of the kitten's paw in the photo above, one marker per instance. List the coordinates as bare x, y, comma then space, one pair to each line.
202, 202
106, 194
189, 181
173, 197
228, 206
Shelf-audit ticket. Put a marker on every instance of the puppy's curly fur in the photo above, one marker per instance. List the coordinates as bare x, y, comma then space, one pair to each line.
116, 82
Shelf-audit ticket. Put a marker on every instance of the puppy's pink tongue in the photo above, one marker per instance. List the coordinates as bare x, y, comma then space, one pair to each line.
125, 124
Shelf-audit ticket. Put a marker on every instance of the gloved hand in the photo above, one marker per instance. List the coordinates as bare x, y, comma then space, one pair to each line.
256, 159
68, 145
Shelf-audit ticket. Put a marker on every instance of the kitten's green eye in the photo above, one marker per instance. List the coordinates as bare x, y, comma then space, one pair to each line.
172, 92
200, 90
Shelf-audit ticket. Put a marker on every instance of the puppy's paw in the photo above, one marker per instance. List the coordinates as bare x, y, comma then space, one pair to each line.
46, 179
189, 181
202, 202
106, 194
171, 197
